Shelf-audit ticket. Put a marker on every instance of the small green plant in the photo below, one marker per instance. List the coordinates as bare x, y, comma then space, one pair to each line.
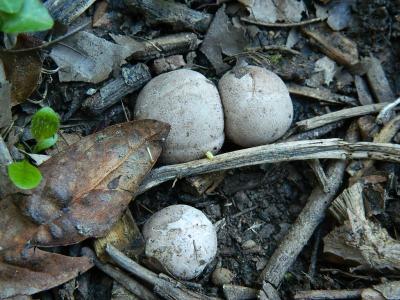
44, 125
24, 16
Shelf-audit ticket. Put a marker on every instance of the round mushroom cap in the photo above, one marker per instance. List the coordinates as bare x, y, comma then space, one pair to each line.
181, 239
257, 106
190, 103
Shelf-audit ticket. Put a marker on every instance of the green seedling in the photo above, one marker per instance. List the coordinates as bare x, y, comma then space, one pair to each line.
44, 125
18, 16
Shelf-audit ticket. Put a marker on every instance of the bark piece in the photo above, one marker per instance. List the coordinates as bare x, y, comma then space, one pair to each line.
66, 11
131, 79
374, 244
235, 292
378, 81
37, 270
176, 15
167, 45
335, 45
86, 57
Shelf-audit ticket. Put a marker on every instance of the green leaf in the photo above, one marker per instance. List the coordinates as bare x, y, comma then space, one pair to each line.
45, 123
45, 144
33, 16
24, 175
10, 6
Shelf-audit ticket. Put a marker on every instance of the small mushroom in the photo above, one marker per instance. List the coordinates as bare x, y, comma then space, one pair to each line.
257, 106
181, 239
190, 103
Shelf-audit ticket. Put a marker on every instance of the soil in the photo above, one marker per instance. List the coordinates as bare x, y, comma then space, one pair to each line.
254, 205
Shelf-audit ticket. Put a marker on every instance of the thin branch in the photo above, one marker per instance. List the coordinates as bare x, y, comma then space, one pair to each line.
282, 25
274, 153
340, 115
45, 45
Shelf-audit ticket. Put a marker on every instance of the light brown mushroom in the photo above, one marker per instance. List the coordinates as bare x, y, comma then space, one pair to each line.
257, 106
190, 103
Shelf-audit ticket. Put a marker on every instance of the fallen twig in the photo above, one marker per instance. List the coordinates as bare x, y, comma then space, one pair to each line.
48, 44
340, 115
301, 231
303, 228
168, 288
328, 294
130, 284
274, 153
281, 25
386, 112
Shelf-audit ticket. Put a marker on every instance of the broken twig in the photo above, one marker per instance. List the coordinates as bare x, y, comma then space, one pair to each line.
340, 115
274, 153
281, 25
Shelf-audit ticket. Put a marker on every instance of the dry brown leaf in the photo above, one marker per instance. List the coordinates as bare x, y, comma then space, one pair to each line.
87, 187
23, 72
36, 270
85, 190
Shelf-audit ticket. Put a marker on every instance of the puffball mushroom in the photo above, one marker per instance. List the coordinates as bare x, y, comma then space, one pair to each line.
190, 103
257, 106
181, 239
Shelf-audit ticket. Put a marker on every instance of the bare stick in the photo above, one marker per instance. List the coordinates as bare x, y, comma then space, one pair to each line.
386, 113
301, 231
328, 294
130, 284
340, 115
274, 153
320, 94
48, 44
169, 289
303, 228
281, 25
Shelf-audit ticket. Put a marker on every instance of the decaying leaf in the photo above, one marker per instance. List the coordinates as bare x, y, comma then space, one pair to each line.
363, 241
270, 11
223, 38
86, 57
23, 72
37, 270
86, 189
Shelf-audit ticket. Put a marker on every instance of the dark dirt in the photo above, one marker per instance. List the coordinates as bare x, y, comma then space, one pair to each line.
254, 206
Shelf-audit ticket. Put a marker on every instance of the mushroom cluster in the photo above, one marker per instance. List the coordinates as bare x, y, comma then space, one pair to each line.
252, 104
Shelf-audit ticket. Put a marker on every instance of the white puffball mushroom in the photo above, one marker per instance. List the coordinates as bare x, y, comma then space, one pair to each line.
257, 106
181, 239
190, 103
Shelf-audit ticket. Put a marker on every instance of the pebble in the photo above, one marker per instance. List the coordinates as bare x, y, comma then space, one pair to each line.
222, 276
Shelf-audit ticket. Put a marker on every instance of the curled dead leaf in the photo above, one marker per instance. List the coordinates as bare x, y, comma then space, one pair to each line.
37, 270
